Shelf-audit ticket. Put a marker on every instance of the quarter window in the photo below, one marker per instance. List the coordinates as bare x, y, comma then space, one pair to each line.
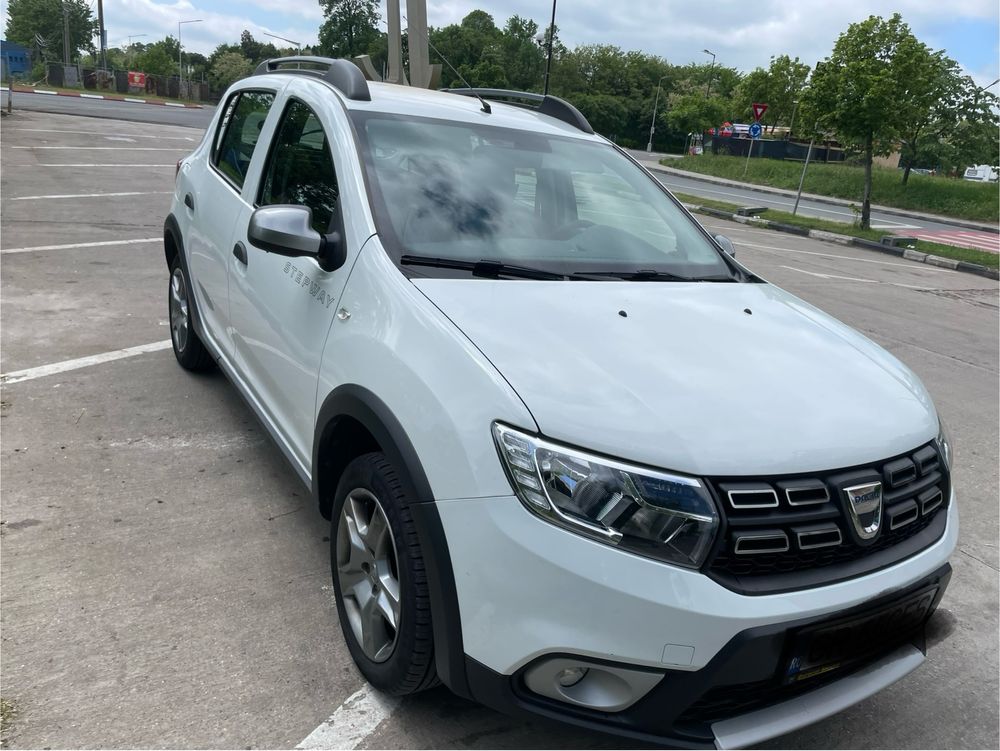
239, 131
300, 168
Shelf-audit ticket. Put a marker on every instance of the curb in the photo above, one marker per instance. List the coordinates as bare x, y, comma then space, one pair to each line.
109, 97
964, 223
815, 234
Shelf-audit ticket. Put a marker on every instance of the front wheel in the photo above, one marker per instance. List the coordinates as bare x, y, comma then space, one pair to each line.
188, 349
379, 579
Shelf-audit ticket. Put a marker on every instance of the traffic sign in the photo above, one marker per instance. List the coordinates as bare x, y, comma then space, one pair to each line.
755, 130
758, 111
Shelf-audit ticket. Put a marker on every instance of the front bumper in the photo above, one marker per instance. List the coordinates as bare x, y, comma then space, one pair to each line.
739, 698
525, 590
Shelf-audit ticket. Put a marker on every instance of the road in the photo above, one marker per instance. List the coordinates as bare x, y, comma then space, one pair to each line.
892, 223
166, 578
140, 113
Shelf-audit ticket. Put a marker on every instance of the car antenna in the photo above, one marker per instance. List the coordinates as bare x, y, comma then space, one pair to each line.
486, 105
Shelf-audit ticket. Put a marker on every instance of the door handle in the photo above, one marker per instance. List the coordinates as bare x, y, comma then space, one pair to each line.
189, 201
240, 251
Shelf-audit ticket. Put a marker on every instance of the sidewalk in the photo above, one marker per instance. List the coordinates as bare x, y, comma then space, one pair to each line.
967, 224
109, 97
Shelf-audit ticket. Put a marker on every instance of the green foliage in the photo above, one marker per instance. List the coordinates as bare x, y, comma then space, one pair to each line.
229, 67
256, 51
349, 27
779, 87
937, 195
696, 113
27, 18
156, 59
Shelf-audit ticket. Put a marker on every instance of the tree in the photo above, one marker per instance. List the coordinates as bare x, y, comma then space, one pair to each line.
861, 90
695, 113
156, 61
44, 18
779, 87
350, 27
229, 67
256, 51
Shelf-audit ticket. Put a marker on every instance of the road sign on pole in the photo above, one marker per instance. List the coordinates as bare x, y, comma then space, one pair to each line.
758, 111
755, 130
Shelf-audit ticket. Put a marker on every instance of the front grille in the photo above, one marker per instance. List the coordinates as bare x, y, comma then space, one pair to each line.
776, 529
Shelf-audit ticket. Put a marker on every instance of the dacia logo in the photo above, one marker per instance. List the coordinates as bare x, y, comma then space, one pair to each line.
300, 278
864, 508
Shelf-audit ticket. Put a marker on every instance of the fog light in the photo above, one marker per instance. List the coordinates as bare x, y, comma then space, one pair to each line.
571, 676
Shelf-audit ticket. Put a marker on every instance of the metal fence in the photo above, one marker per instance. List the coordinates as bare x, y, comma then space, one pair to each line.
117, 81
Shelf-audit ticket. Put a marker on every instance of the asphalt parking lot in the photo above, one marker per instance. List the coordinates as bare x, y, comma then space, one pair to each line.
165, 576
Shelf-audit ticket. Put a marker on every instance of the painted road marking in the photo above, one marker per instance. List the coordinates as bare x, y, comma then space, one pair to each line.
353, 721
912, 266
91, 195
854, 278
41, 164
106, 148
41, 371
103, 243
90, 133
963, 238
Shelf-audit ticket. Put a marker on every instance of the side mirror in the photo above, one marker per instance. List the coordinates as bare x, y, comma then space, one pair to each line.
287, 231
726, 244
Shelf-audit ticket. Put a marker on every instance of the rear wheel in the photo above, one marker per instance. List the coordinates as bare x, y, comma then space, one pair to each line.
379, 580
188, 349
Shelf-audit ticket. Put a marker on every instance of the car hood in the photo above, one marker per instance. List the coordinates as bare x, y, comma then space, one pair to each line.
706, 378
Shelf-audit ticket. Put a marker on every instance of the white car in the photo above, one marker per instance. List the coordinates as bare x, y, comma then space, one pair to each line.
578, 461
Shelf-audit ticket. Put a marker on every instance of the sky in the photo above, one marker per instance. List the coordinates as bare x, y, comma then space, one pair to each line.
742, 34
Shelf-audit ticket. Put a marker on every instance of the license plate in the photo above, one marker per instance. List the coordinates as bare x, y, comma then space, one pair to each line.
820, 649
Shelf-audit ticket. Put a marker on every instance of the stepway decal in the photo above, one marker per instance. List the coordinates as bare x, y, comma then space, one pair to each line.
297, 276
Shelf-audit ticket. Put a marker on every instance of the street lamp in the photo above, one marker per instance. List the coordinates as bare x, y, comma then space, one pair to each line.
180, 63
711, 69
652, 124
795, 107
298, 45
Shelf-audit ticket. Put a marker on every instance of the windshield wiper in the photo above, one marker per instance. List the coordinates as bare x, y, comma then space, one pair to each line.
486, 268
643, 275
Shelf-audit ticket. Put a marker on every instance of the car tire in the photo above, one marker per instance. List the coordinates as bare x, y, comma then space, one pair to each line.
379, 578
188, 348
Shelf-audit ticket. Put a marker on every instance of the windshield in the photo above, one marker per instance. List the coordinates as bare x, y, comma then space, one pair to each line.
446, 191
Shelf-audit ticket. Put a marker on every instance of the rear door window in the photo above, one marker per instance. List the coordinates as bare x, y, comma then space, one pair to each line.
239, 132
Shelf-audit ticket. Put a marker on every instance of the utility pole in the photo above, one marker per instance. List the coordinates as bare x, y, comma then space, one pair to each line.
66, 57
104, 34
711, 70
552, 33
652, 125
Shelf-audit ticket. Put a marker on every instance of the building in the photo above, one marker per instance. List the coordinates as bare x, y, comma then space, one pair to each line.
16, 56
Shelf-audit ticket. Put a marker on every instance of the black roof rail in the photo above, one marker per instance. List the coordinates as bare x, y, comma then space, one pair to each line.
342, 74
549, 105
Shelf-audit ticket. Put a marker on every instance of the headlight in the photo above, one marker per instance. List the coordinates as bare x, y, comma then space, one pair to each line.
659, 515
945, 447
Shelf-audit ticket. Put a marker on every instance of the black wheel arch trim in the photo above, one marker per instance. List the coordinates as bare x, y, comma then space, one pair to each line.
172, 230
363, 406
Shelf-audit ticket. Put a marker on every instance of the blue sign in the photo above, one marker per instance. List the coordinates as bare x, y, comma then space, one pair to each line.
755, 130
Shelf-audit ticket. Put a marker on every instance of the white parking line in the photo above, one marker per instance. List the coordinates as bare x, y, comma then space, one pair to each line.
69, 246
854, 278
90, 133
147, 166
912, 266
106, 148
91, 195
28, 374
353, 721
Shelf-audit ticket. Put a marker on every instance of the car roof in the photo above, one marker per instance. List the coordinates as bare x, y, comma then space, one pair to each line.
395, 99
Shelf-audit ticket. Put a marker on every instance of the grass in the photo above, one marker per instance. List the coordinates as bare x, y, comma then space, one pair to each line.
936, 195
990, 260
7, 713
105, 92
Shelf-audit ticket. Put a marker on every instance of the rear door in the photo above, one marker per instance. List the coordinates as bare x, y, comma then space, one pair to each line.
215, 206
282, 308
